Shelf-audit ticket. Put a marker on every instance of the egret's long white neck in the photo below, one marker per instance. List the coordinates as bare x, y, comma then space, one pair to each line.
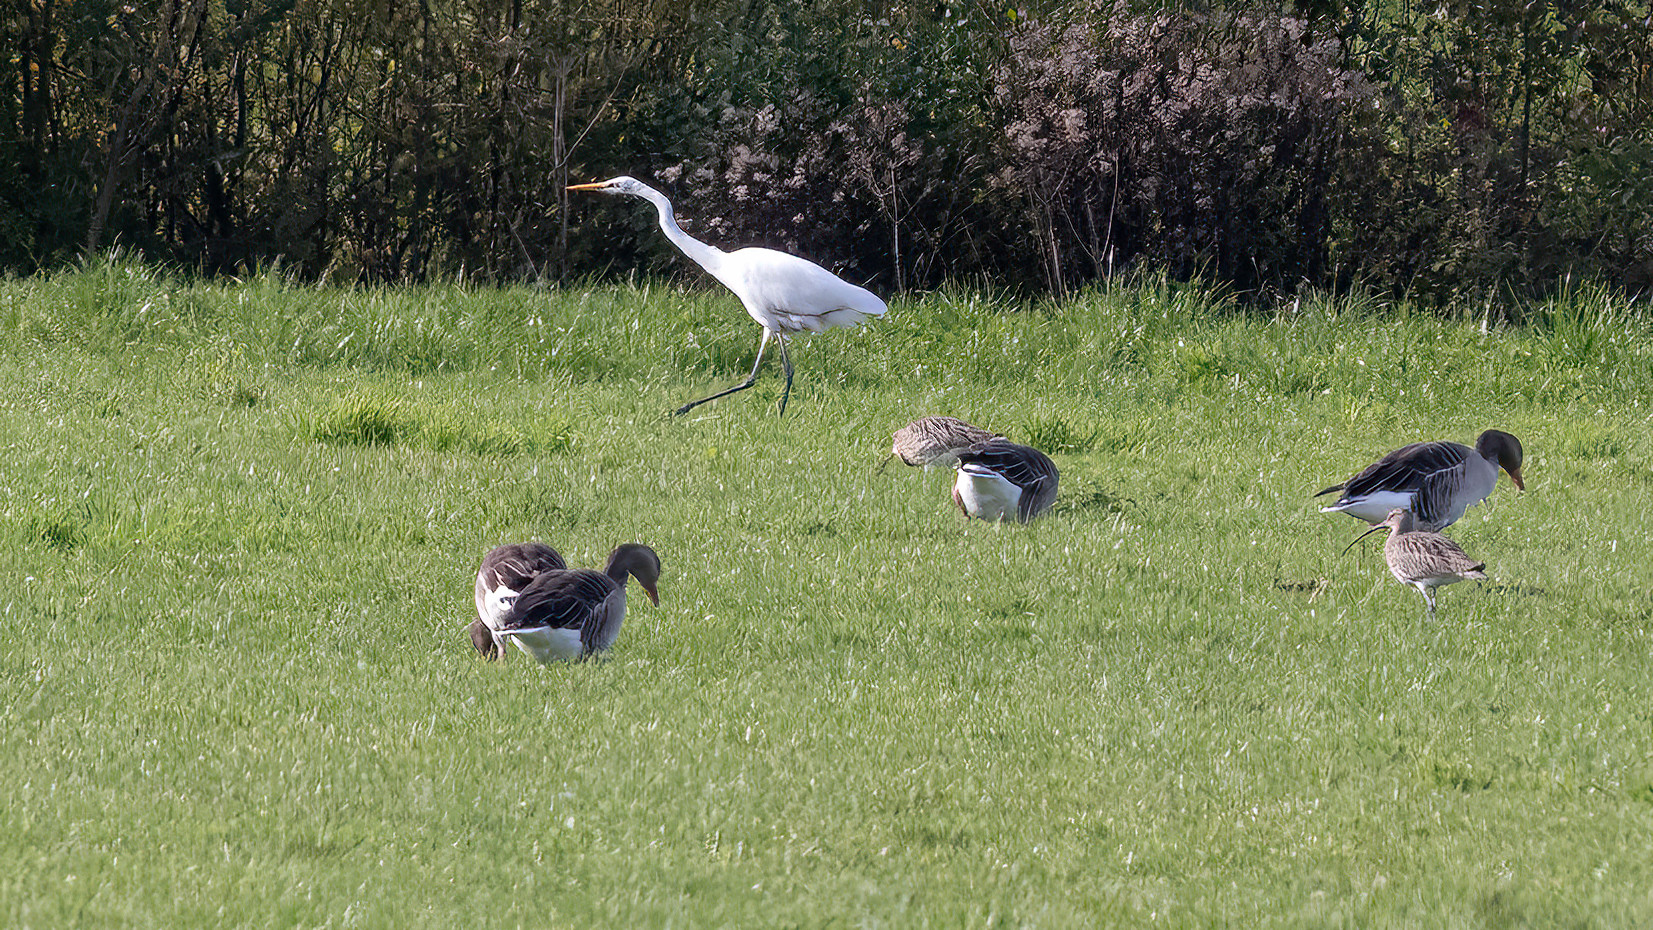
706, 256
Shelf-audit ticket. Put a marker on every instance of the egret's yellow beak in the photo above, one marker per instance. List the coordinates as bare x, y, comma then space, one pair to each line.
588, 187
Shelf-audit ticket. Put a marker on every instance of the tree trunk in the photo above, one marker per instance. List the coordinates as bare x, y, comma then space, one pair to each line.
172, 56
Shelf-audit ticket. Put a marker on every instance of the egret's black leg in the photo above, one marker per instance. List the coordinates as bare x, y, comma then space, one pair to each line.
763, 341
786, 362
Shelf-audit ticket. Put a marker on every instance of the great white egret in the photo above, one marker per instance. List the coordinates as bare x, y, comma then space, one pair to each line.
999, 479
1421, 559
505, 572
784, 293
1436, 481
572, 614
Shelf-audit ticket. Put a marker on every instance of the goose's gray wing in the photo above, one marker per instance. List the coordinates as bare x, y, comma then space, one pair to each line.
561, 600
1037, 497
1024, 466
1445, 493
513, 565
1408, 468
600, 631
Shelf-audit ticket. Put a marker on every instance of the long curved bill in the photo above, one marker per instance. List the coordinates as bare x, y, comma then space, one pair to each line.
1351, 545
588, 187
1515, 476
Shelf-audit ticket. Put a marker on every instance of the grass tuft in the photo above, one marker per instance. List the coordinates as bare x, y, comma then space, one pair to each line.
371, 418
364, 419
58, 531
1054, 435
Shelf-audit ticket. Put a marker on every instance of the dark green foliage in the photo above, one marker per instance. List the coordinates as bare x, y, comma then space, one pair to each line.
1427, 151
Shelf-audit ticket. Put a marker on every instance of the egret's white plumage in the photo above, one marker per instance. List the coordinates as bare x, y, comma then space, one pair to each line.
785, 294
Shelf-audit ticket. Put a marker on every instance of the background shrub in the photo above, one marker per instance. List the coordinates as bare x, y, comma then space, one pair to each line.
1426, 150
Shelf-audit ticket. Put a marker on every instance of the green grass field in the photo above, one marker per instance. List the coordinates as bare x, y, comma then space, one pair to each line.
240, 525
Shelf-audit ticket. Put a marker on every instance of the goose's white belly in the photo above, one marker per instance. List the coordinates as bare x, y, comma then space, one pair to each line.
987, 495
561, 644
547, 644
1373, 508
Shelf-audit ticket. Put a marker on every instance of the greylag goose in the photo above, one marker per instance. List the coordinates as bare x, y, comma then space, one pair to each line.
576, 613
1422, 559
483, 639
1436, 481
784, 293
933, 441
999, 479
506, 570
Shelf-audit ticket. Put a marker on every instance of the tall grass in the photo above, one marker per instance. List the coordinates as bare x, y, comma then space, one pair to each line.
240, 522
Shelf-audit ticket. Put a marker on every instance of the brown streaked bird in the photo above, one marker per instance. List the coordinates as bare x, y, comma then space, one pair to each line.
577, 613
506, 570
1420, 558
998, 479
1436, 481
933, 441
